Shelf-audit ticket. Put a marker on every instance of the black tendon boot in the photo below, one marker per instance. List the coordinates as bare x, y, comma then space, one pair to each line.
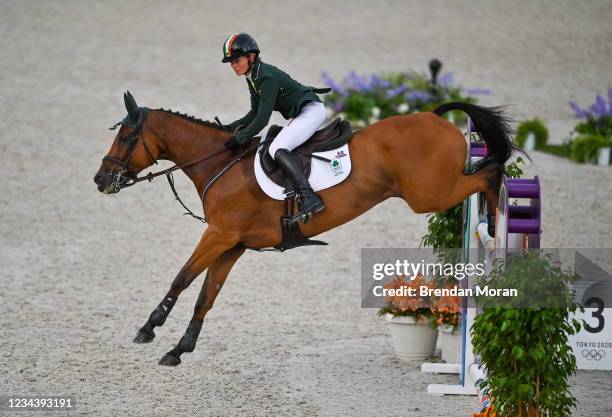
311, 203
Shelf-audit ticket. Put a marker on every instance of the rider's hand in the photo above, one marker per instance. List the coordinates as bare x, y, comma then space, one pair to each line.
233, 142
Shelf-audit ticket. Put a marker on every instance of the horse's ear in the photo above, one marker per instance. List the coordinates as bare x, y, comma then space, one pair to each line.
130, 105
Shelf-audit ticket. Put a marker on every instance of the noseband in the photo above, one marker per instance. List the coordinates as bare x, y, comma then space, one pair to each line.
125, 177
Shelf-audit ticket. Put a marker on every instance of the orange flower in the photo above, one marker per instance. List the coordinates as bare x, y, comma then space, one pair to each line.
406, 303
488, 412
448, 309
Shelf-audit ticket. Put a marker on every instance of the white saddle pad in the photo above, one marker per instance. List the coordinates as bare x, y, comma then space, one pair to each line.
323, 174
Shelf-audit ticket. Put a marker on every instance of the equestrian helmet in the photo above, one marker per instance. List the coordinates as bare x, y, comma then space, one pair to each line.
237, 45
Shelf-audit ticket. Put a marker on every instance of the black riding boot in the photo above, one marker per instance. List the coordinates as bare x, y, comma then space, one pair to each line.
311, 203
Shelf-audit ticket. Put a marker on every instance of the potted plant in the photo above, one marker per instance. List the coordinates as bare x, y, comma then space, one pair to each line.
410, 318
446, 313
591, 140
591, 148
523, 340
531, 134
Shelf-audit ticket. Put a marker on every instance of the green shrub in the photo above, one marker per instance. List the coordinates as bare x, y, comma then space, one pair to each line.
594, 132
525, 350
513, 169
583, 148
601, 126
535, 126
444, 229
562, 150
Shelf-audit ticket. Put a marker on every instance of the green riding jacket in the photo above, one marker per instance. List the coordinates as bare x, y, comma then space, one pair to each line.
272, 89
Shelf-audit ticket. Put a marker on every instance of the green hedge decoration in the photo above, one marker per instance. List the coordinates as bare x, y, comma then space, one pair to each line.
583, 148
535, 126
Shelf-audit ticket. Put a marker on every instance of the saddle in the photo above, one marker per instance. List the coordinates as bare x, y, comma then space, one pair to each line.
334, 135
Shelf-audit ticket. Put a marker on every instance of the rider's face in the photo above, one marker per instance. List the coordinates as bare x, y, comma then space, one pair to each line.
240, 65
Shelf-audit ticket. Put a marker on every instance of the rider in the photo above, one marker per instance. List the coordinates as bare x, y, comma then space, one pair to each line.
272, 89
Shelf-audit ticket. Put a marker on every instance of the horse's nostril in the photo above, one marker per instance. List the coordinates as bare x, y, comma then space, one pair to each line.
97, 178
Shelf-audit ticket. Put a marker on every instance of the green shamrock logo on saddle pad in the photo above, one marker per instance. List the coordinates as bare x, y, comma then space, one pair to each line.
336, 166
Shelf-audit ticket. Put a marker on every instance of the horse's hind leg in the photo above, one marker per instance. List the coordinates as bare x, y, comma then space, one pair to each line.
208, 249
492, 174
446, 191
215, 277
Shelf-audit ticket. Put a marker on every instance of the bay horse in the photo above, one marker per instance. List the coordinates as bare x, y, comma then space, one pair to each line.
419, 157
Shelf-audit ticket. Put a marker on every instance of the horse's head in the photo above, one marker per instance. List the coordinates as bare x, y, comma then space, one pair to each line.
129, 154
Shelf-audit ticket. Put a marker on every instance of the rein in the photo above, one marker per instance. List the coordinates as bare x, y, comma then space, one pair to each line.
121, 181
149, 177
170, 178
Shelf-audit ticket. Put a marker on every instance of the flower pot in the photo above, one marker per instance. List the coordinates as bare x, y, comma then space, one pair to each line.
603, 156
530, 142
412, 339
450, 343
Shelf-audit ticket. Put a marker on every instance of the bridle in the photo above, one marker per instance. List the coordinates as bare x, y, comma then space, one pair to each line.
125, 177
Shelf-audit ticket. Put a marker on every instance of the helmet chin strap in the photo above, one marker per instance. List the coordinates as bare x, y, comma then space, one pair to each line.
251, 60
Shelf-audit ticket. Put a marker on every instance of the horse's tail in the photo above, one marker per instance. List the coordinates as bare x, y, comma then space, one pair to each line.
493, 125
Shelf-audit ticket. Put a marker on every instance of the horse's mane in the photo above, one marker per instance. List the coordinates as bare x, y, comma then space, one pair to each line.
196, 120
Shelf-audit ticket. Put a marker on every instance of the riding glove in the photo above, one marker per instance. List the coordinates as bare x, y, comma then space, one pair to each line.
235, 142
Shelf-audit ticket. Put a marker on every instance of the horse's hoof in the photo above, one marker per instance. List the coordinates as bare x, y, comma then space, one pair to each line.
169, 360
144, 337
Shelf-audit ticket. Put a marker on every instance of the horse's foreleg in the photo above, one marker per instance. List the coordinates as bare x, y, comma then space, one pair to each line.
215, 277
208, 249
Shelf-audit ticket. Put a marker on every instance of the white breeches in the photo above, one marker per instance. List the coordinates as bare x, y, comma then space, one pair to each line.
299, 129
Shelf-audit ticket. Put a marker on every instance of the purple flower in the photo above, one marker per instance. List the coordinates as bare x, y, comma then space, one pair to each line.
478, 91
578, 112
416, 95
597, 110
376, 81
338, 107
396, 91
358, 82
599, 106
446, 79
329, 81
